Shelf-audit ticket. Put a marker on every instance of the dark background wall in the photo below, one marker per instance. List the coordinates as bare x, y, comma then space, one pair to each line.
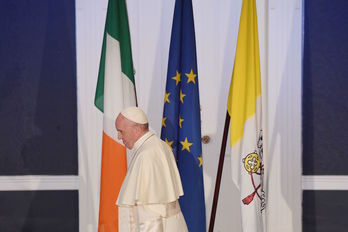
38, 114
37, 87
325, 82
325, 110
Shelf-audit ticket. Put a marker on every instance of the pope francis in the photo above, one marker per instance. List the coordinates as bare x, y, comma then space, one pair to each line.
148, 199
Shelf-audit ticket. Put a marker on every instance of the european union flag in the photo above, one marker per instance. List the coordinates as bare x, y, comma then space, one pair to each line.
181, 123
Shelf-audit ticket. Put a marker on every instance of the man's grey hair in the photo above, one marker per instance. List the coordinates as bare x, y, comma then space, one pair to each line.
145, 126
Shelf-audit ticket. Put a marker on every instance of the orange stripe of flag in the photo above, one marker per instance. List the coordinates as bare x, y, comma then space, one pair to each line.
114, 168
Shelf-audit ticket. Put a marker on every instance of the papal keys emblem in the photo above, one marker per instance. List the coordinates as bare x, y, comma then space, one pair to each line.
254, 166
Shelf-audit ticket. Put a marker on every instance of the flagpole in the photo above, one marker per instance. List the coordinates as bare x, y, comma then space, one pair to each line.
219, 173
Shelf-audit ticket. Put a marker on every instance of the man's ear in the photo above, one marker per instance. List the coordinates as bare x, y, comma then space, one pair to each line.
137, 129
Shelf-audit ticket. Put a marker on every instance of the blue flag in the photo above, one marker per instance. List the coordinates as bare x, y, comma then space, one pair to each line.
181, 122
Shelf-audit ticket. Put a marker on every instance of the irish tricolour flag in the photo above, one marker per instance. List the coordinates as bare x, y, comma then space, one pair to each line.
244, 108
115, 91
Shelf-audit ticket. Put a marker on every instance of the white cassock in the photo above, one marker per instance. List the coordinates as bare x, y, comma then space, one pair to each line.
148, 199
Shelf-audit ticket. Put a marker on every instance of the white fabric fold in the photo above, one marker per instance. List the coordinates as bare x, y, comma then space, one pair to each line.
152, 177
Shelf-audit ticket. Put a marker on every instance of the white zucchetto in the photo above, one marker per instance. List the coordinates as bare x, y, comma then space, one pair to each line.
135, 114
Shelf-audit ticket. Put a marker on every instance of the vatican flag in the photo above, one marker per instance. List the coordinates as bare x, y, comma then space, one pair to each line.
244, 108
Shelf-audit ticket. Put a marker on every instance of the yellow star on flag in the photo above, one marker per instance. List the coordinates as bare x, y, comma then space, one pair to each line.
180, 121
200, 160
169, 143
191, 77
166, 98
177, 77
164, 121
182, 95
186, 145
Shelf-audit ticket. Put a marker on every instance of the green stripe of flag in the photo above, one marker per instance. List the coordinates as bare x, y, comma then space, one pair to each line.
116, 25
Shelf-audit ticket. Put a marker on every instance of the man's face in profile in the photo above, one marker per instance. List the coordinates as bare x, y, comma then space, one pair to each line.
126, 131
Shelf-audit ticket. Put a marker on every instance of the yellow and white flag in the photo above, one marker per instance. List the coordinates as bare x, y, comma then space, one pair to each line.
115, 91
244, 108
